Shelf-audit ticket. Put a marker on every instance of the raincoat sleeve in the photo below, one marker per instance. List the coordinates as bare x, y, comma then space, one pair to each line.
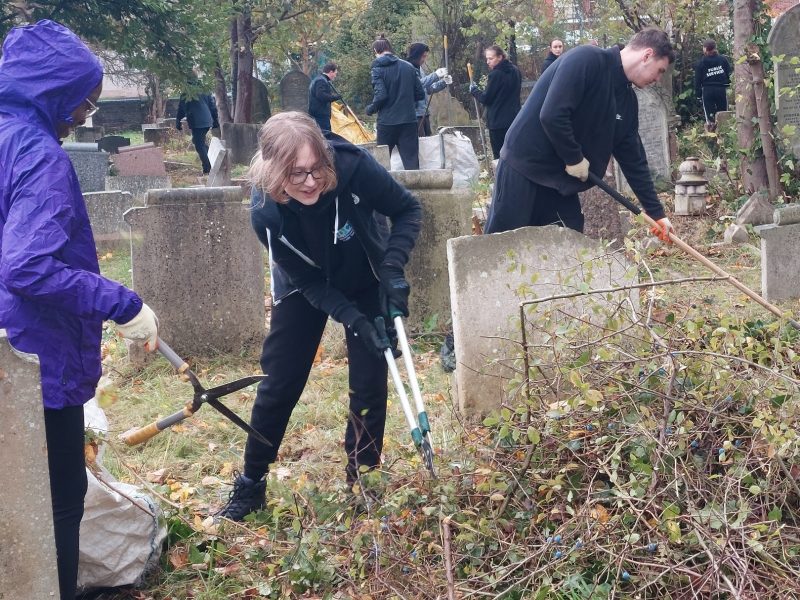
43, 216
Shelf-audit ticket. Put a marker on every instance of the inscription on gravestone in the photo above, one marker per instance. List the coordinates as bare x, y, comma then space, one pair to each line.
783, 40
294, 91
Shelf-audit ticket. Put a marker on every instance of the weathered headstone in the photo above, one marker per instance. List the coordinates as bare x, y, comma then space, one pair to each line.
783, 40
491, 274
780, 268
241, 141
446, 213
260, 109
735, 234
90, 164
447, 111
758, 210
294, 91
105, 214
654, 132
89, 135
112, 143
197, 262
604, 218
220, 174
143, 159
155, 134
28, 553
138, 185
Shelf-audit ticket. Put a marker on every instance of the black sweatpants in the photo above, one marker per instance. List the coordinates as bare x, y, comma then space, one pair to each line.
715, 99
65, 433
497, 137
519, 202
295, 332
199, 141
405, 137
323, 122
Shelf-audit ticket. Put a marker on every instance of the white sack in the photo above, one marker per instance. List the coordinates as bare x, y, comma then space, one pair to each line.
458, 156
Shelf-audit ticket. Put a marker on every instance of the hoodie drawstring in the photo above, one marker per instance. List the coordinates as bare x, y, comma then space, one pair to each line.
336, 222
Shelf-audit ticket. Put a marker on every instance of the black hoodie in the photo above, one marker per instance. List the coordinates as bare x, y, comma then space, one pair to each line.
549, 60
501, 97
711, 70
326, 267
397, 89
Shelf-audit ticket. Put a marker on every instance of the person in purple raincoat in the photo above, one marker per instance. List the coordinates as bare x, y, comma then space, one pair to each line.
53, 300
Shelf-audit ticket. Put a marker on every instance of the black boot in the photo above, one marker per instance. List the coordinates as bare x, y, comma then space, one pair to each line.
247, 496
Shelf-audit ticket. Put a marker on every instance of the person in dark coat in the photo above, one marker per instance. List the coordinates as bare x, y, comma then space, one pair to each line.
501, 97
314, 207
556, 48
397, 89
201, 115
580, 112
431, 83
321, 94
53, 300
712, 76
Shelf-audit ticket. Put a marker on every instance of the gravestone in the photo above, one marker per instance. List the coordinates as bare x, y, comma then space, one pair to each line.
446, 213
112, 143
260, 108
294, 91
89, 135
90, 164
604, 218
783, 40
142, 159
241, 141
155, 134
491, 274
220, 174
780, 245
28, 553
138, 185
654, 132
198, 264
105, 214
447, 111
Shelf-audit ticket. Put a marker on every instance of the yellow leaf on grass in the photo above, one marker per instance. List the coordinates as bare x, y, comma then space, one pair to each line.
600, 514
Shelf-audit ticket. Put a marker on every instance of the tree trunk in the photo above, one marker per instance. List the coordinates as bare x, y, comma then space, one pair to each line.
234, 56
221, 95
512, 44
764, 123
244, 90
754, 168
158, 102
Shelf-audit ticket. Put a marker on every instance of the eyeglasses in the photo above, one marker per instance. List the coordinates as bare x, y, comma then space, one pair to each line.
298, 177
93, 108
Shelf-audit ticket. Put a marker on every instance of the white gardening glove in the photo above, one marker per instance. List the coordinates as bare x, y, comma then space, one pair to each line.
448, 79
662, 229
142, 328
579, 171
441, 72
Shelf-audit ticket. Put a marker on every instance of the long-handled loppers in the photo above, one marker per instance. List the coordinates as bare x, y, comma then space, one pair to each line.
691, 251
418, 424
201, 396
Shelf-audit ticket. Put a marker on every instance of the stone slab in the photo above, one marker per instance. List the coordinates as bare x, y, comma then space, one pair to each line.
491, 274
105, 214
90, 165
137, 147
786, 215
137, 185
220, 174
28, 553
139, 160
197, 263
241, 140
735, 234
156, 135
784, 40
113, 143
780, 267
758, 210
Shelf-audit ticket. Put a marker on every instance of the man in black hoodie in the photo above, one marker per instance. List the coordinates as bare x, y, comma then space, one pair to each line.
201, 115
397, 90
321, 94
580, 112
501, 97
712, 76
556, 48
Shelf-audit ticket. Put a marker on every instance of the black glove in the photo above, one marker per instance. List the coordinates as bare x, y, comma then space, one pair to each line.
366, 331
395, 289
178, 126
370, 109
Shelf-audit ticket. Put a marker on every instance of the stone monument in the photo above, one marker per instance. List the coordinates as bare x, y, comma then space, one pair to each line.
294, 91
783, 41
260, 108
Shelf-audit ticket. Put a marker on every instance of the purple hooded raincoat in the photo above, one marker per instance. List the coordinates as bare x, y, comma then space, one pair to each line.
53, 300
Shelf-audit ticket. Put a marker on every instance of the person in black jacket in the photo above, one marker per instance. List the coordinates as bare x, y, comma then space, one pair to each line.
397, 90
580, 112
712, 76
201, 115
501, 96
314, 206
321, 94
556, 48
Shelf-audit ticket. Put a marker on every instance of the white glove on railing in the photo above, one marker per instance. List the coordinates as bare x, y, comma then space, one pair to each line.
142, 328
579, 171
441, 72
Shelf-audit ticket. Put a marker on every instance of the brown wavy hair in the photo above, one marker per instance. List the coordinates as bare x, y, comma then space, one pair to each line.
279, 141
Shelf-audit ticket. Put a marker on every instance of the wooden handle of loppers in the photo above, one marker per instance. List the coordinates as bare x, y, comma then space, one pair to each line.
138, 435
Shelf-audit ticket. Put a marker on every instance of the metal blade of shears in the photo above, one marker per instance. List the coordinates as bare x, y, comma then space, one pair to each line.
238, 420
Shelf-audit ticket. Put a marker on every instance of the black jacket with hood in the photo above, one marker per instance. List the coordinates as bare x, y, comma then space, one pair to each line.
320, 96
501, 97
549, 60
581, 107
200, 112
301, 240
397, 89
711, 70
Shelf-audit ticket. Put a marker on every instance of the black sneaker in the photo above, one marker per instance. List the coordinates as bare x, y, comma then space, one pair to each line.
247, 496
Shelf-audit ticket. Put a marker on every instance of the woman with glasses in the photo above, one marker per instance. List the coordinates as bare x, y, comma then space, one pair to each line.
316, 207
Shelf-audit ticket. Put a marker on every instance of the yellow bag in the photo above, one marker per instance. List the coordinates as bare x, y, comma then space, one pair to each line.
345, 124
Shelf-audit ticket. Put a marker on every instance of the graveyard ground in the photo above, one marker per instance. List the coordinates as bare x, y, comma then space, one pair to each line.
316, 540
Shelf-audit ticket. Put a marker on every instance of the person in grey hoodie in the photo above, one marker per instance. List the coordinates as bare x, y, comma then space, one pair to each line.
397, 89
431, 83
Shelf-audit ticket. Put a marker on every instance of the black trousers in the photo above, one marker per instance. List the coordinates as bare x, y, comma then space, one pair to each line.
199, 141
295, 331
424, 126
405, 137
65, 432
497, 137
323, 122
715, 99
519, 202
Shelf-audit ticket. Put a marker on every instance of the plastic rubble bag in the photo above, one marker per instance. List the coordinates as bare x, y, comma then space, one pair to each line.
345, 124
121, 532
459, 156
